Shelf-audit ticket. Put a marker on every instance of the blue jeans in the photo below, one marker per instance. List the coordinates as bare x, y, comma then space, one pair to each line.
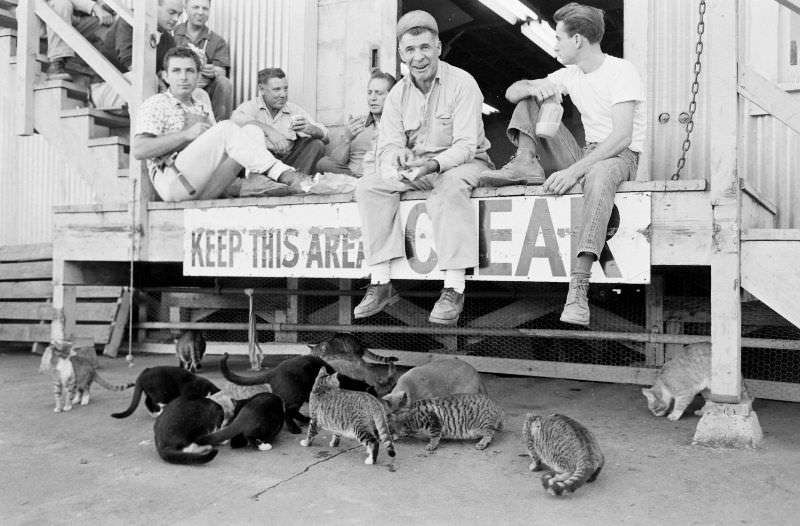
600, 183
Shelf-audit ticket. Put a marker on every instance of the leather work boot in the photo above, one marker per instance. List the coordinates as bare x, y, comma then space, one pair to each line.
523, 168
55, 70
576, 308
298, 182
448, 308
376, 298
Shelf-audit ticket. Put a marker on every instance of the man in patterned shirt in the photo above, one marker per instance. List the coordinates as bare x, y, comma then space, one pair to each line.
189, 156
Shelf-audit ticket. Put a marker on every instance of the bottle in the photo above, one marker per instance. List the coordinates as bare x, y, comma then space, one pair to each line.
550, 113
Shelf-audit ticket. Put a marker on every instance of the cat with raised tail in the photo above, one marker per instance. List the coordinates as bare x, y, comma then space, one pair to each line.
345, 353
564, 446
164, 383
72, 375
190, 348
256, 422
433, 380
351, 414
181, 423
456, 417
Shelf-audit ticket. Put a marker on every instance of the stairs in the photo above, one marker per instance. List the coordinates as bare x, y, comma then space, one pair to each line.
769, 269
7, 16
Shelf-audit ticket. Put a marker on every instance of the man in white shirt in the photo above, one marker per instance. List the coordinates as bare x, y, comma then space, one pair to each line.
609, 94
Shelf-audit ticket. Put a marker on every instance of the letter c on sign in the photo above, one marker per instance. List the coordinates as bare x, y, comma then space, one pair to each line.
418, 266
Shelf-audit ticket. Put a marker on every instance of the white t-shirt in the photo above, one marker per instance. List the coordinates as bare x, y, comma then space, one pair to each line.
615, 81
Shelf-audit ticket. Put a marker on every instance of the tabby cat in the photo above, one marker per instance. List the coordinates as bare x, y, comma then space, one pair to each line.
353, 414
566, 447
190, 348
256, 421
433, 380
183, 421
459, 416
682, 378
345, 353
72, 373
164, 383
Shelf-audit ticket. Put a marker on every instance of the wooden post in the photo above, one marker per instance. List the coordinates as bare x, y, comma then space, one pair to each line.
654, 299
720, 67
345, 303
27, 49
291, 314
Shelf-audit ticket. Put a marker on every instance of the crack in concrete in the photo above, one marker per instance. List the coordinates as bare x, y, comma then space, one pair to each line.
256, 496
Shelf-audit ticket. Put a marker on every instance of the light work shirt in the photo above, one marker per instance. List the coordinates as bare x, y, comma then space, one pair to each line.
256, 109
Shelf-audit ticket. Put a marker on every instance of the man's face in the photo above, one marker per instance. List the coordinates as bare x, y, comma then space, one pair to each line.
566, 46
197, 11
421, 54
181, 75
275, 92
377, 90
168, 13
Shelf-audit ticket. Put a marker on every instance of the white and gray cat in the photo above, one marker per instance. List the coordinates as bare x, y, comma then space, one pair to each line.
189, 349
569, 451
681, 379
432, 380
353, 414
458, 417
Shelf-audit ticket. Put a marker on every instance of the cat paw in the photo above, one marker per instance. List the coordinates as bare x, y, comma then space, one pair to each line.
534, 466
56, 409
430, 448
369, 461
267, 447
305, 442
481, 446
67, 408
673, 417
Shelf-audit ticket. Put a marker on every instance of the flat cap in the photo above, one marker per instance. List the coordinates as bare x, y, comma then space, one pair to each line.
416, 19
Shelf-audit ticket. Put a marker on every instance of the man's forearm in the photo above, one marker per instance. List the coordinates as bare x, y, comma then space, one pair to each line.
147, 147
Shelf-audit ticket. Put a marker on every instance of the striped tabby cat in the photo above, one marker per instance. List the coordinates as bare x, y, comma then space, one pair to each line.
567, 448
190, 348
75, 373
345, 353
459, 416
353, 414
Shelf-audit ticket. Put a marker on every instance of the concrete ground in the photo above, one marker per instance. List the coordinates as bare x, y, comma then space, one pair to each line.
84, 467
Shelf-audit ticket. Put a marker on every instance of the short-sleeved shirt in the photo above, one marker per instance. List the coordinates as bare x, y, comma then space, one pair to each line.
445, 124
213, 47
615, 81
256, 109
163, 113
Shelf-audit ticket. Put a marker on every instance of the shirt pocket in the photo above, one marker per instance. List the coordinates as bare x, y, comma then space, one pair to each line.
441, 133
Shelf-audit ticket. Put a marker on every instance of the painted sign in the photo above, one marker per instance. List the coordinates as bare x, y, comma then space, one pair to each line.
520, 238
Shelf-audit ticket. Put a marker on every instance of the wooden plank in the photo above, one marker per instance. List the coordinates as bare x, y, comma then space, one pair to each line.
26, 270
16, 310
215, 301
18, 332
765, 203
771, 234
92, 291
654, 314
681, 229
294, 306
97, 333
794, 5
770, 97
122, 309
26, 290
27, 48
769, 272
517, 313
121, 10
31, 252
95, 311
410, 314
784, 391
345, 303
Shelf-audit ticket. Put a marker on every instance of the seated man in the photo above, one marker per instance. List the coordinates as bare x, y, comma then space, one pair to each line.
214, 55
117, 47
291, 133
190, 157
609, 95
360, 132
431, 138
90, 18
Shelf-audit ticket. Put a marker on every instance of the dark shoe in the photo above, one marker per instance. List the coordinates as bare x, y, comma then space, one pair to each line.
377, 297
298, 182
523, 168
448, 308
259, 185
576, 309
55, 71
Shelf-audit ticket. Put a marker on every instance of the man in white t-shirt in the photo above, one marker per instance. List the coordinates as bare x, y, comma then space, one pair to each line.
609, 95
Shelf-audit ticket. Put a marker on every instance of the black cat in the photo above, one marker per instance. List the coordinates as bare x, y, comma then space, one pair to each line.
181, 423
256, 421
292, 380
163, 384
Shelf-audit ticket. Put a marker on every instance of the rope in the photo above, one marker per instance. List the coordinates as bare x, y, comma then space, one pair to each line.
129, 357
253, 348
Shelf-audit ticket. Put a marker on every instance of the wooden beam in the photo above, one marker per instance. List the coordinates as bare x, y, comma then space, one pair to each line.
118, 323
793, 5
654, 313
26, 252
771, 98
26, 290
26, 270
27, 49
345, 303
515, 314
410, 314
121, 10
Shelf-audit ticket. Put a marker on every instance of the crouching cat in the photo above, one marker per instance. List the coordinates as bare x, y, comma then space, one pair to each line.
72, 375
190, 348
256, 421
353, 414
681, 379
458, 417
435, 379
164, 383
567, 448
183, 421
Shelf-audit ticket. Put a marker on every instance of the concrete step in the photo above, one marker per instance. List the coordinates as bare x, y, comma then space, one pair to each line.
96, 122
7, 18
73, 95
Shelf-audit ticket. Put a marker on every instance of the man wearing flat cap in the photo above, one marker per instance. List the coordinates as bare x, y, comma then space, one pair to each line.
430, 138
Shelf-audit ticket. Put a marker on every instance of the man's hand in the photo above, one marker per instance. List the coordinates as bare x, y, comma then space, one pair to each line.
277, 143
562, 181
193, 131
100, 11
353, 127
415, 168
543, 89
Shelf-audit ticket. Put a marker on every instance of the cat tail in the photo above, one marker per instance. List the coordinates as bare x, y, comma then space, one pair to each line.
567, 483
256, 379
137, 395
384, 435
378, 358
111, 387
172, 455
220, 436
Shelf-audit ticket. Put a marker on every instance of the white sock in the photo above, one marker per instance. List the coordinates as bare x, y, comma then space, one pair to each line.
454, 279
379, 274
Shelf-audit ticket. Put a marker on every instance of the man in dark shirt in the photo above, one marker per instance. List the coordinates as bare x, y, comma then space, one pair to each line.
214, 56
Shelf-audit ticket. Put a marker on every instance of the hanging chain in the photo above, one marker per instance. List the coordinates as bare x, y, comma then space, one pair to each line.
687, 143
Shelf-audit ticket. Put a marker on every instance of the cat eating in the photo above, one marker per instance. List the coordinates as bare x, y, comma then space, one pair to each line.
164, 383
345, 353
181, 423
432, 380
256, 421
352, 414
72, 375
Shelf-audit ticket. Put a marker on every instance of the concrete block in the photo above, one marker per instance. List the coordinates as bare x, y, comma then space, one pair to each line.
729, 426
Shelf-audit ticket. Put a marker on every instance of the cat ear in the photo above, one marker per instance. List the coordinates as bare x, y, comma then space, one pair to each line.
403, 399
648, 393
